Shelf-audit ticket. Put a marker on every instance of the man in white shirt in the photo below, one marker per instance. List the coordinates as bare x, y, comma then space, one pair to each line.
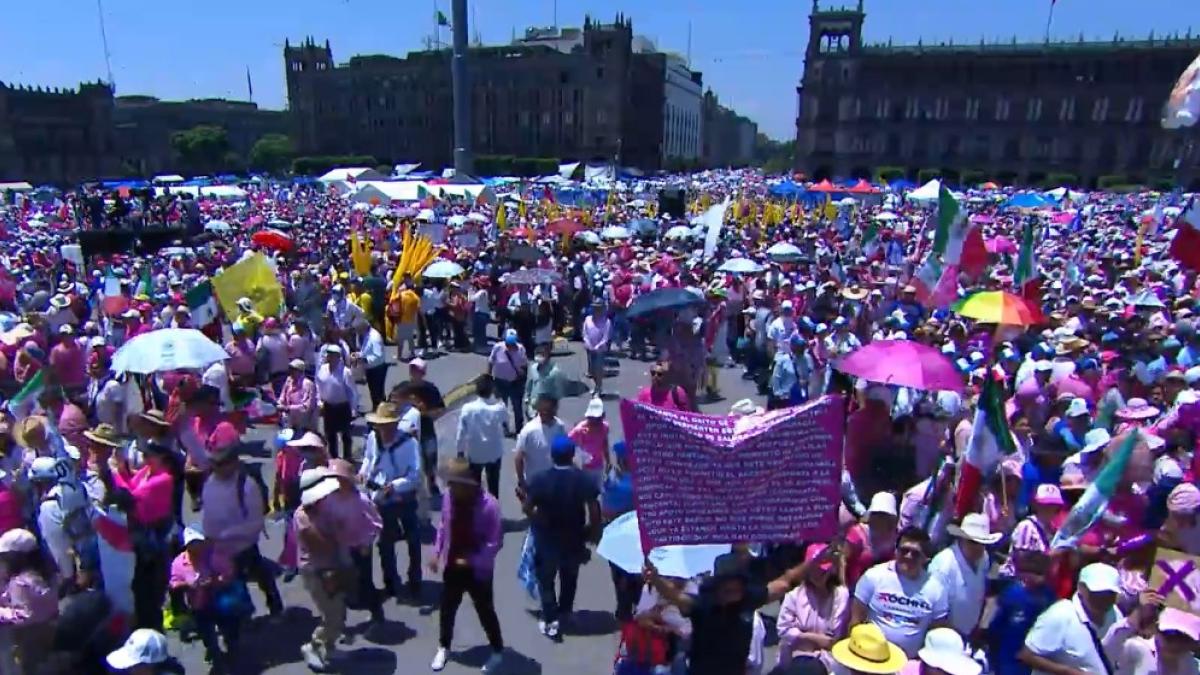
371, 355
1066, 637
531, 454
433, 302
340, 310
901, 597
480, 436
337, 397
106, 395
962, 569
391, 472
480, 316
218, 377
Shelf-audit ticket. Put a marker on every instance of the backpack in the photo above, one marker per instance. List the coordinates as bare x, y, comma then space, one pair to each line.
252, 472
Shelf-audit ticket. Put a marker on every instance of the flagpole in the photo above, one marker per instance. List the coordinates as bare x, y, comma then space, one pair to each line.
1049, 19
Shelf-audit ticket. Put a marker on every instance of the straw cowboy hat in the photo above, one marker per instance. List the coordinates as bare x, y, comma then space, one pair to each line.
854, 292
155, 417
867, 650
104, 434
975, 527
1137, 409
30, 429
385, 413
458, 470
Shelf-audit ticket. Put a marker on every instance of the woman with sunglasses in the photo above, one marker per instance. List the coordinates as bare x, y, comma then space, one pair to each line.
661, 393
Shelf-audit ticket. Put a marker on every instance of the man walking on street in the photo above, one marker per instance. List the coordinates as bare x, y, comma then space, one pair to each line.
480, 438
371, 355
337, 398
391, 471
564, 511
468, 539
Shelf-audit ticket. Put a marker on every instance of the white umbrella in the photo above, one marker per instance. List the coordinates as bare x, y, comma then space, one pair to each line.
426, 215
477, 218
740, 266
886, 216
678, 232
379, 212
847, 201
360, 206
621, 544
784, 251
615, 232
589, 237
442, 269
280, 224
457, 220
167, 349
217, 226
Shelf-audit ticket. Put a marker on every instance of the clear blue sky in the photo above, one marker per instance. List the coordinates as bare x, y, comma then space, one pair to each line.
750, 51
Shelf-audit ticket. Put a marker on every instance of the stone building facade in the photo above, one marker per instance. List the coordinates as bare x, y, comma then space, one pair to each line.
1018, 113
56, 136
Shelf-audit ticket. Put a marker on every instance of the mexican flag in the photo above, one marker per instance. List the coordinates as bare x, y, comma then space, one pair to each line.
1091, 505
144, 283
950, 218
991, 440
1185, 246
926, 279
1026, 278
870, 240
957, 240
202, 304
24, 402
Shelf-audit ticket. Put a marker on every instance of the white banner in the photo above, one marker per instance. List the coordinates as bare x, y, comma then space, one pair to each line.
713, 219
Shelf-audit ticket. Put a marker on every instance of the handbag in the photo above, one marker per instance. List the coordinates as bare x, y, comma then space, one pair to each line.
640, 650
233, 600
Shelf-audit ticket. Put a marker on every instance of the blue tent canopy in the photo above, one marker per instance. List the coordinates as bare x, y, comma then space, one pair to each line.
787, 189
902, 184
1026, 200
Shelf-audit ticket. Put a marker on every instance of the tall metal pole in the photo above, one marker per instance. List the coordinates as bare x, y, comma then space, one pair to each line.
463, 162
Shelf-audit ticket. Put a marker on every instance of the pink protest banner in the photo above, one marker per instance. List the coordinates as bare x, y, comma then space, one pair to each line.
704, 479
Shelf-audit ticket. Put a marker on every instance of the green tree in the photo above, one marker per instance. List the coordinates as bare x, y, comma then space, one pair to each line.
202, 148
272, 153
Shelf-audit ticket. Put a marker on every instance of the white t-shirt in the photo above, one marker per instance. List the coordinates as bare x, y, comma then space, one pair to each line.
964, 584
902, 608
534, 442
481, 301
1061, 635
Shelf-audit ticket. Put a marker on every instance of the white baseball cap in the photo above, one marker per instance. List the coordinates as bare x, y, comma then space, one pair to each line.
595, 408
1078, 407
144, 647
1100, 578
883, 502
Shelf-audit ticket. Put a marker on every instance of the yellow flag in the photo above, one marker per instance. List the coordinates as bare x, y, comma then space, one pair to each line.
830, 209
521, 211
249, 278
1137, 246
360, 254
501, 216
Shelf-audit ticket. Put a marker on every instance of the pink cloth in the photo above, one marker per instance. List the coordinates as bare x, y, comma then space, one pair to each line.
595, 333
803, 612
593, 441
186, 573
298, 398
68, 362
487, 530
674, 398
232, 529
1026, 536
12, 513
241, 357
27, 600
356, 517
153, 494
72, 422
863, 552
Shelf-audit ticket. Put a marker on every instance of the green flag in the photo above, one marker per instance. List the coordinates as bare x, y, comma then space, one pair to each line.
21, 404
441, 19
948, 215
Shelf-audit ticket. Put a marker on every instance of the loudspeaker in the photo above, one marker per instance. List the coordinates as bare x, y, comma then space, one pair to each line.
672, 202
146, 241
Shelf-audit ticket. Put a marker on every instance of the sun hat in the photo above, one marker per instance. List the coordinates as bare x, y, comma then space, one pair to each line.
18, 540
385, 413
1100, 578
868, 651
1137, 409
458, 470
341, 468
104, 434
192, 533
595, 408
1048, 495
1077, 408
145, 646
976, 528
1177, 620
297, 364
1096, 439
1184, 499
319, 486
883, 502
32, 428
947, 654
308, 439
155, 417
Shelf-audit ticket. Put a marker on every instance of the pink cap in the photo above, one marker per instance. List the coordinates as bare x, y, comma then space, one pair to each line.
224, 438
813, 551
1172, 619
418, 363
1048, 495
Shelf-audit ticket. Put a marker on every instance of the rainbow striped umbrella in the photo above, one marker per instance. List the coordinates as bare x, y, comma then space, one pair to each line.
999, 307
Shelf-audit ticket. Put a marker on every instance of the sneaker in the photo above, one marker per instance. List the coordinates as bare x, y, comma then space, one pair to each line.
542, 626
312, 657
493, 663
439, 659
552, 630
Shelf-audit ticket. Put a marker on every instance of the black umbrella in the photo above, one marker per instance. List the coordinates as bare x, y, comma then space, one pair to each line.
673, 299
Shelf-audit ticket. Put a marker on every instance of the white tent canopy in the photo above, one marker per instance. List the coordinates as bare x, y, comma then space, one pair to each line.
168, 178
358, 173
386, 192
1057, 194
405, 169
17, 186
927, 192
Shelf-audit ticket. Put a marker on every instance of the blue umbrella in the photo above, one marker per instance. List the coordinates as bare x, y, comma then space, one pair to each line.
621, 545
663, 299
1026, 200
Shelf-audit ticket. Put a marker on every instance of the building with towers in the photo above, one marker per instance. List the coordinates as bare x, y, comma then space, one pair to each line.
1074, 111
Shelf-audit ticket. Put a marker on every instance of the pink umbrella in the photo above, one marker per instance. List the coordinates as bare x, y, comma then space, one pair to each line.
1001, 244
1064, 217
904, 363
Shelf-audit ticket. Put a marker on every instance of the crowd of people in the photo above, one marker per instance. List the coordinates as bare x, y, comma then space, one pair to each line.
129, 506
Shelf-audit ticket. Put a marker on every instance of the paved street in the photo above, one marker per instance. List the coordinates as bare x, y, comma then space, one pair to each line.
407, 641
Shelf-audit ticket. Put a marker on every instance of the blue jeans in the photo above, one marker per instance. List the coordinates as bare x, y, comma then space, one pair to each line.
400, 520
551, 561
479, 324
512, 393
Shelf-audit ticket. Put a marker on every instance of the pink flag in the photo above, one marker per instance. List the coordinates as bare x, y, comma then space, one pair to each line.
947, 287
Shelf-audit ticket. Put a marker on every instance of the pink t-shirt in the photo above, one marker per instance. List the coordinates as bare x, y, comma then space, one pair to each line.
671, 399
186, 573
153, 494
592, 440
